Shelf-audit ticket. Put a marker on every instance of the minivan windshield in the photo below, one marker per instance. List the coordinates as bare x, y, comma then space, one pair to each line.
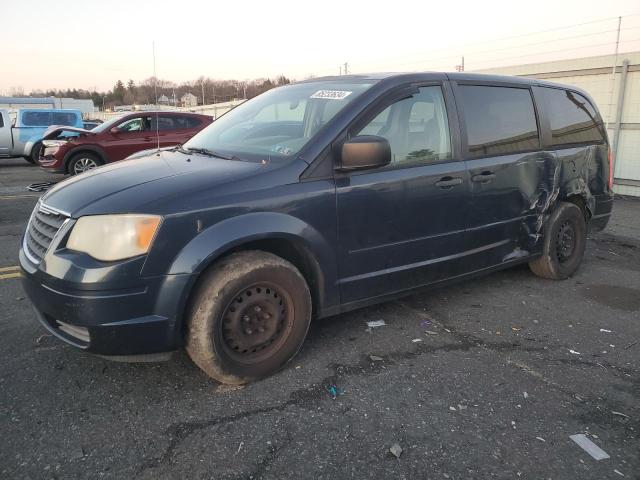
279, 122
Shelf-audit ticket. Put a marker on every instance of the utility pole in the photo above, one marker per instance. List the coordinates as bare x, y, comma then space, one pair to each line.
346, 68
340, 69
202, 91
613, 73
460, 68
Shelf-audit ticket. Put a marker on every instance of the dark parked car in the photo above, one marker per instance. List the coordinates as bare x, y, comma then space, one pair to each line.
116, 139
90, 124
311, 200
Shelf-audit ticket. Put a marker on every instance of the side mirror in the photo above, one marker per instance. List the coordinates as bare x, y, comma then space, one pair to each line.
114, 130
365, 151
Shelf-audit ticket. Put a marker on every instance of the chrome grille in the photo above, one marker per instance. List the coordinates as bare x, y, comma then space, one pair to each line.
44, 224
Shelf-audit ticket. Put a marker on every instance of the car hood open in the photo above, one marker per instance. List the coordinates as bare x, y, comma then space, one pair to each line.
138, 184
55, 130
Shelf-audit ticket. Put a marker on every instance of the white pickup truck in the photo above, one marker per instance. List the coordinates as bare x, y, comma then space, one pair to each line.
23, 138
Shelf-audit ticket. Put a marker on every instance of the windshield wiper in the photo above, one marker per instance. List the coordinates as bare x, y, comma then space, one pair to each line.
211, 153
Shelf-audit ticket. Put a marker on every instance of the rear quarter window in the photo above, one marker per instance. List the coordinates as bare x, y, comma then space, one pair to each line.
572, 118
498, 120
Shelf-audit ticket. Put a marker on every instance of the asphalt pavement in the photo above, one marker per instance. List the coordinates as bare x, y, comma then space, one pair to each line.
483, 379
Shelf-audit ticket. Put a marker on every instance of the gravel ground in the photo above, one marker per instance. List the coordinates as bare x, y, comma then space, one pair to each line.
484, 379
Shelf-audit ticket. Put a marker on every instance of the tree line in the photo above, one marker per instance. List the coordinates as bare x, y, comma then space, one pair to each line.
206, 90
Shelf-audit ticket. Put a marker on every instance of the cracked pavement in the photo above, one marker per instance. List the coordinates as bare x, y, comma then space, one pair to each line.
490, 390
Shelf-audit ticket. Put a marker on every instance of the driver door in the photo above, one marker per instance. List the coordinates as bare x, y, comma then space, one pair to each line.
403, 225
134, 134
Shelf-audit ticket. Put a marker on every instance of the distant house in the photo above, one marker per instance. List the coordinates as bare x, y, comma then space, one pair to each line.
189, 100
164, 100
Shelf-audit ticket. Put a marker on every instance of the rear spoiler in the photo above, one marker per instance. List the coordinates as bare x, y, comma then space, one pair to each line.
55, 130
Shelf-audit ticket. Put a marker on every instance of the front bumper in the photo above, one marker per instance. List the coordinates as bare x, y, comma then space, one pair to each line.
52, 159
109, 320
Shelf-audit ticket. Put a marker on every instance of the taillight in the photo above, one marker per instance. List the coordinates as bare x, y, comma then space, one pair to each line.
610, 170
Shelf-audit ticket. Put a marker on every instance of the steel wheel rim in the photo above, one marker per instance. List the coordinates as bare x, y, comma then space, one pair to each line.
256, 322
84, 164
565, 241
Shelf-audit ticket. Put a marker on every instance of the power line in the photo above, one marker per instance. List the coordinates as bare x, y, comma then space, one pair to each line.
456, 49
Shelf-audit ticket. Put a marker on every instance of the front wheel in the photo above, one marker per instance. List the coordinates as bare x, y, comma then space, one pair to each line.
83, 162
35, 153
565, 239
249, 316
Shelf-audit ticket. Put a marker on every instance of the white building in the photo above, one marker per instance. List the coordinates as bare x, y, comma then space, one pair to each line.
85, 106
617, 97
189, 100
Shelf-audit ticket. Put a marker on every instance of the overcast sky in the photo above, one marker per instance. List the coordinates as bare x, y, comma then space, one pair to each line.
91, 44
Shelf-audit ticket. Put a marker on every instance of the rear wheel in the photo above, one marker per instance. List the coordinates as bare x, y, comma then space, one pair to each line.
565, 239
248, 317
83, 162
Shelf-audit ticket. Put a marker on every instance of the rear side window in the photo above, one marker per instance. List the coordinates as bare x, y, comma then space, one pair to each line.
499, 120
572, 118
181, 122
165, 122
1, 121
36, 119
63, 118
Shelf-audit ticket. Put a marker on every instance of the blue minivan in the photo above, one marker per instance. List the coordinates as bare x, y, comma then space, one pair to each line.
23, 137
313, 199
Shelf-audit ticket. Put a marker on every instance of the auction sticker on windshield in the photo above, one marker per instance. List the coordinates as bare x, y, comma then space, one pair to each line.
331, 94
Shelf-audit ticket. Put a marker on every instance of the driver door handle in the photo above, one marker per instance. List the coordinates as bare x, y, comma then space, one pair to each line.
484, 177
448, 182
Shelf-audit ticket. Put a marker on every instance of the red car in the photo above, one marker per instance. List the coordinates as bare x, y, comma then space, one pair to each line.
116, 139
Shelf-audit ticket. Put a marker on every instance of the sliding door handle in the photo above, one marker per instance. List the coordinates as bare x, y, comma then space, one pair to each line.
448, 182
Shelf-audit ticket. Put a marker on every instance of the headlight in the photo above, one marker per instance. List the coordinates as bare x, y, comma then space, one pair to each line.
114, 237
54, 143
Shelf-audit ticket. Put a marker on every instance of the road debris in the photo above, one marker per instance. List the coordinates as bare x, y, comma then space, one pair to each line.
618, 472
396, 450
430, 332
588, 446
375, 358
41, 338
574, 352
620, 414
453, 409
334, 391
239, 448
376, 323
605, 330
416, 340
525, 394
426, 323
541, 439
224, 388
631, 345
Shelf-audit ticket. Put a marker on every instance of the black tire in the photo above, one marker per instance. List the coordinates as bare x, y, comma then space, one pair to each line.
82, 162
35, 153
565, 239
248, 317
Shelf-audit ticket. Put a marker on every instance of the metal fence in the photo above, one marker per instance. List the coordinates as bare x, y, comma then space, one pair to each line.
215, 110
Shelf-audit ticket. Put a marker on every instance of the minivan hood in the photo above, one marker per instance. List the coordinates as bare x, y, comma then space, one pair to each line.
103, 185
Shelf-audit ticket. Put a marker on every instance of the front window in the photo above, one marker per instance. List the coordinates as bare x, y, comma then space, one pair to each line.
279, 122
